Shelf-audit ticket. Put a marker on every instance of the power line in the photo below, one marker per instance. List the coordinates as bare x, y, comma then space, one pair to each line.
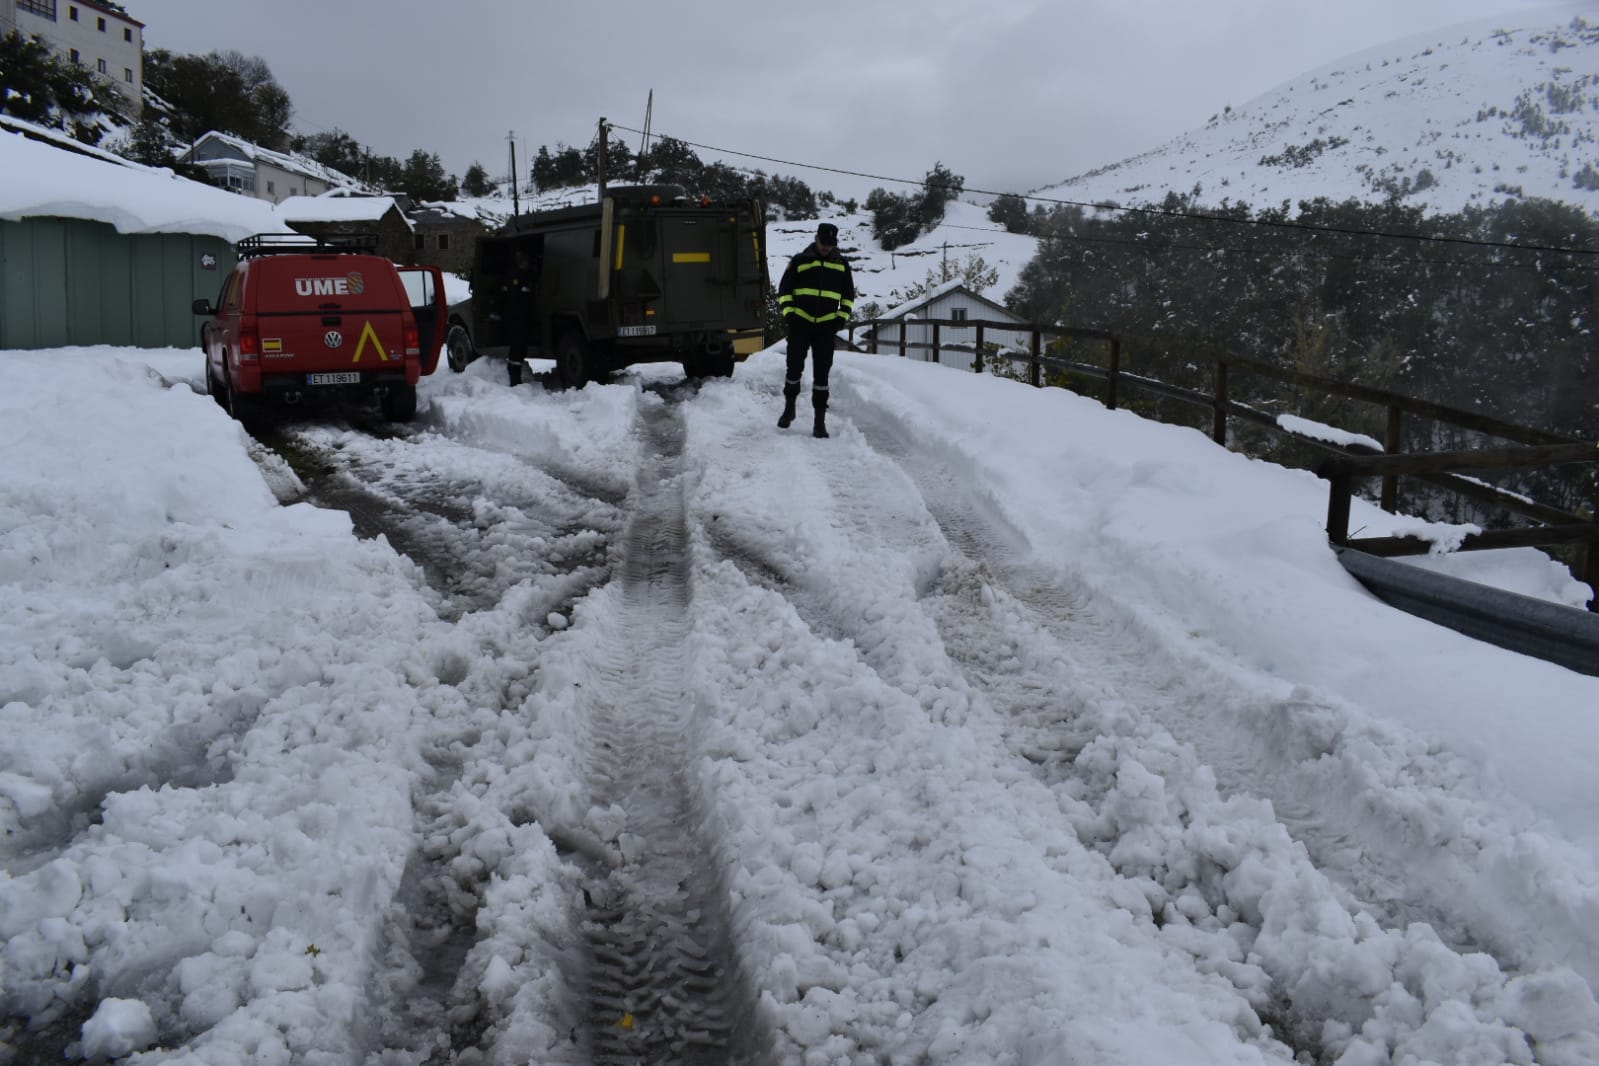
1350, 231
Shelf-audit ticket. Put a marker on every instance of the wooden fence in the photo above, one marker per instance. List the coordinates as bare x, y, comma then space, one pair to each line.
1350, 462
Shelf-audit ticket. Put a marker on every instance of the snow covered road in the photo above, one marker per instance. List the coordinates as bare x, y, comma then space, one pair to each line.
615, 725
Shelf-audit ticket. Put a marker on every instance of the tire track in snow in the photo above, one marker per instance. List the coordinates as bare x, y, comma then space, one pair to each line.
473, 540
663, 981
1065, 664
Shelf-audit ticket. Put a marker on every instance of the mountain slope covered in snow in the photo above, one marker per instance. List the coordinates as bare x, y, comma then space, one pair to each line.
1463, 116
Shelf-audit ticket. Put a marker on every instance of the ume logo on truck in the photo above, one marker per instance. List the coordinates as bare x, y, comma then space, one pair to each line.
352, 284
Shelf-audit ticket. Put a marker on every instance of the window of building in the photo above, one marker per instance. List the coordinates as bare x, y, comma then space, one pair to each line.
75, 57
127, 34
72, 12
444, 242
957, 314
102, 24
100, 66
127, 75
42, 8
272, 186
419, 242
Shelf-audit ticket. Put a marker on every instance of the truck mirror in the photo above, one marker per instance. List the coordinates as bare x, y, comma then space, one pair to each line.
203, 307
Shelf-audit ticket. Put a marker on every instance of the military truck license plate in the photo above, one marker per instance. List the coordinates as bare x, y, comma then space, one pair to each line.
635, 331
348, 377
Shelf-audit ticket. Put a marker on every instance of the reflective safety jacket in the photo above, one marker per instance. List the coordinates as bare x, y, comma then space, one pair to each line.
817, 288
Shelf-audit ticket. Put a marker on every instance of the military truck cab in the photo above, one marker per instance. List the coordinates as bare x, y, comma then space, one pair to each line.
644, 276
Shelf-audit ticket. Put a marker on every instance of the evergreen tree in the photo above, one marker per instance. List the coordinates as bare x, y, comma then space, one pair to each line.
895, 220
476, 182
423, 178
1010, 211
543, 173
224, 91
335, 149
939, 188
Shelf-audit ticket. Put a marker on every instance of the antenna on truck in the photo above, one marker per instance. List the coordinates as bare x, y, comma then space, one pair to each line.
644, 141
516, 201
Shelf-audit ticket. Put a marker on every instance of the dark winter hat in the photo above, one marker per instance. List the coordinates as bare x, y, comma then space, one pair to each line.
827, 233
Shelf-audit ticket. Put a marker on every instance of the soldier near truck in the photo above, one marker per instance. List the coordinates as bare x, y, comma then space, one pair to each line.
517, 313
646, 275
817, 296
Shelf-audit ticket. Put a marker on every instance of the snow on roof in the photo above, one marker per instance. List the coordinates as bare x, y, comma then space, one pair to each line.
337, 209
943, 290
290, 161
46, 181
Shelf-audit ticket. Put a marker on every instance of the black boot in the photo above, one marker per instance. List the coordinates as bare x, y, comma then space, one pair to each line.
790, 394
819, 402
514, 373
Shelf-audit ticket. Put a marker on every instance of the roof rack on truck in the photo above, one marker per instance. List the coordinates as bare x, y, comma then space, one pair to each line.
307, 244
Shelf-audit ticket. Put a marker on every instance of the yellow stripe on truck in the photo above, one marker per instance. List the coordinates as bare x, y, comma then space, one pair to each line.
621, 242
691, 257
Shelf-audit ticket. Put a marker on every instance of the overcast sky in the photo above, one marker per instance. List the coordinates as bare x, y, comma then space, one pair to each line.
1010, 94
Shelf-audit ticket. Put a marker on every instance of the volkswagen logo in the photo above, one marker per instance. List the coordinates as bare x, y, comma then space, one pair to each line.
333, 338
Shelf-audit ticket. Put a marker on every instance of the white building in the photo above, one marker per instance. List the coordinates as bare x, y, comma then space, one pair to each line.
235, 164
107, 42
949, 303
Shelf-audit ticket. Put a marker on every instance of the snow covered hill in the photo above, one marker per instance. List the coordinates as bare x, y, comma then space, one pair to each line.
1481, 112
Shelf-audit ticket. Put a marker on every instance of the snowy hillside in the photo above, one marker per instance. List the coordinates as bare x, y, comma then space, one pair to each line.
1464, 116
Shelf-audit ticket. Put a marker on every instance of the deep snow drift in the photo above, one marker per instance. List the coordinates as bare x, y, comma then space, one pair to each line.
1020, 731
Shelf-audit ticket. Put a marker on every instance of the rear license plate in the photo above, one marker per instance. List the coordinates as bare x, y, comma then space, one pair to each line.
635, 331
348, 377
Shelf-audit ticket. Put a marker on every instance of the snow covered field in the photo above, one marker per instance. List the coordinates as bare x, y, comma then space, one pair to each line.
999, 728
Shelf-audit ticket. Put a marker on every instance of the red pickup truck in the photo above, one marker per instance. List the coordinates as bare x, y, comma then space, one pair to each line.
300, 320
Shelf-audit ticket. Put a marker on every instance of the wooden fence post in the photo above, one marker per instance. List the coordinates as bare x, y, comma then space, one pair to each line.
1034, 375
904, 329
977, 354
1115, 370
1590, 562
1218, 422
938, 351
1340, 486
1393, 444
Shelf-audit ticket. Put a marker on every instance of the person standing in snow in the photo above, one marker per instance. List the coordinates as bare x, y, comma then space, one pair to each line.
816, 296
518, 314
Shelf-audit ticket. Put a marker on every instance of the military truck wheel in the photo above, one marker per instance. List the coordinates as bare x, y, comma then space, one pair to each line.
572, 360
458, 348
399, 403
720, 363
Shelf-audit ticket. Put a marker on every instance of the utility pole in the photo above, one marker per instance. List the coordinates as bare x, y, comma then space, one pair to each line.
604, 136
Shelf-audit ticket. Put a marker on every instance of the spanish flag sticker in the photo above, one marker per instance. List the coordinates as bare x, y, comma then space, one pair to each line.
271, 344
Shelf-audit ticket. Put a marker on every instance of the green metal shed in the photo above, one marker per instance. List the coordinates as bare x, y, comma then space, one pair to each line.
70, 281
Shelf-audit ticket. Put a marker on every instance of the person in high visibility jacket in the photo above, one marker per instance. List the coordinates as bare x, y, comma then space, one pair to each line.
817, 297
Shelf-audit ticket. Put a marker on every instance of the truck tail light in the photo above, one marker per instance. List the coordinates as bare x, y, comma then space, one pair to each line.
249, 343
413, 339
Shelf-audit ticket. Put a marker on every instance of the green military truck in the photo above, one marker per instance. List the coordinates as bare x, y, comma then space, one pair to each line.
644, 276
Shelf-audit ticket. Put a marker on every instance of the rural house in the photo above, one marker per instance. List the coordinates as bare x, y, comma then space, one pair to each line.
336, 215
235, 164
949, 302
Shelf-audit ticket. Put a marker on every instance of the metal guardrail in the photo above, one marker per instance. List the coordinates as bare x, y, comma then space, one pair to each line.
1568, 636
